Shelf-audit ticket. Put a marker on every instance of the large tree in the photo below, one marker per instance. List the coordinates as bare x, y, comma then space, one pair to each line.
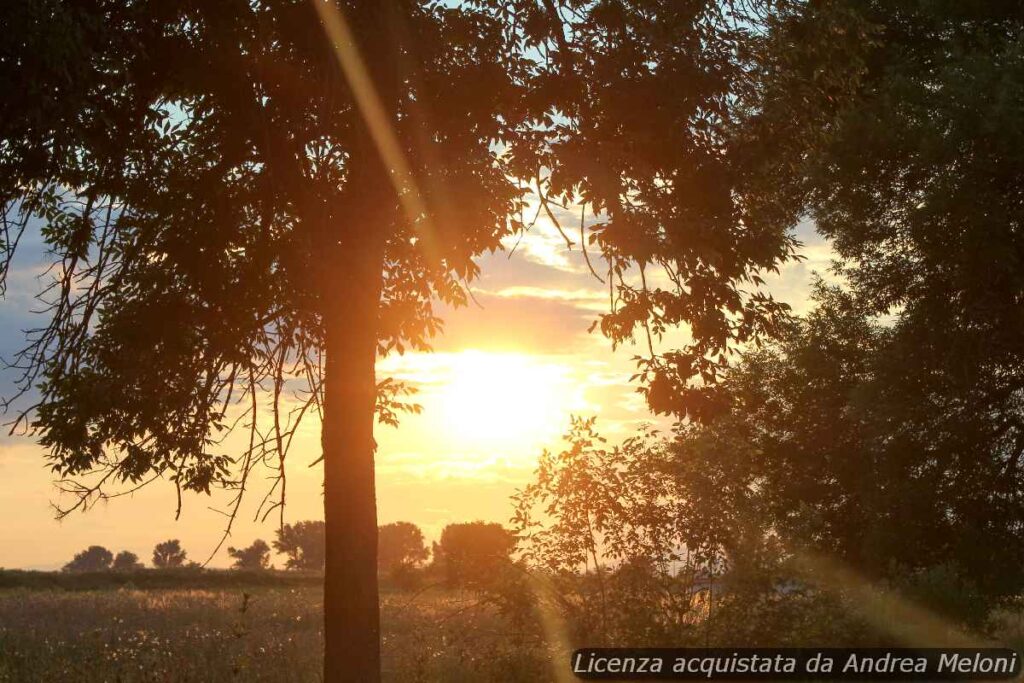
95, 558
303, 543
246, 196
897, 127
169, 554
401, 548
830, 445
254, 557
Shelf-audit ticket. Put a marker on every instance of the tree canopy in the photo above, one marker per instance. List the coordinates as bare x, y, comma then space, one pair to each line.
473, 553
126, 561
255, 557
303, 543
95, 558
253, 200
213, 148
169, 554
401, 547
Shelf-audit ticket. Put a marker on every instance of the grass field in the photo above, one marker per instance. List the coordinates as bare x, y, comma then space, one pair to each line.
247, 633
229, 626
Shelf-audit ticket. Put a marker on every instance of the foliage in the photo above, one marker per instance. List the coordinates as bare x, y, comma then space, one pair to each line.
671, 540
883, 432
126, 561
168, 554
303, 543
401, 547
666, 181
906, 145
472, 553
92, 559
598, 527
250, 204
828, 445
904, 141
607, 499
210, 211
255, 557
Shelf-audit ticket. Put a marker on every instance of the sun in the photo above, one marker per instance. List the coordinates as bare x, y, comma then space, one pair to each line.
505, 400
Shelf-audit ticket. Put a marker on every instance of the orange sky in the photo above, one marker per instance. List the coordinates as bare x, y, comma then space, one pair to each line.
499, 389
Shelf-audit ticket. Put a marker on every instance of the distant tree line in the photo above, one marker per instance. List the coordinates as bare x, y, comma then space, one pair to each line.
96, 558
466, 553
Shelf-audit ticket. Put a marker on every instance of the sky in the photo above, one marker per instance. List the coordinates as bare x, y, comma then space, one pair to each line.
498, 389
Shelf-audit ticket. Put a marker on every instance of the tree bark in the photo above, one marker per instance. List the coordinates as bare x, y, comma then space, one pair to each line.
351, 295
354, 241
351, 607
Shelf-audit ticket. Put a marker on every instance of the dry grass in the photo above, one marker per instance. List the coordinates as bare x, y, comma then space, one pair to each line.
274, 634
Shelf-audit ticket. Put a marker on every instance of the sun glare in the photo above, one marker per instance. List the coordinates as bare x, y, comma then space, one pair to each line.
505, 400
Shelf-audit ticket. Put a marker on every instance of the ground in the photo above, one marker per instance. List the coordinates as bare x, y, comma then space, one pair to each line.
247, 634
228, 626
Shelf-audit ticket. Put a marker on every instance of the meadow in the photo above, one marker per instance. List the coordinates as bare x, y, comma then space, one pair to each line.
248, 633
236, 626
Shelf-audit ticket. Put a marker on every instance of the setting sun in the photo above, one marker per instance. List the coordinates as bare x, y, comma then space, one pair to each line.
503, 400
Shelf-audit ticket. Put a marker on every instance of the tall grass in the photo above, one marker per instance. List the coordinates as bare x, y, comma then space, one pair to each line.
247, 634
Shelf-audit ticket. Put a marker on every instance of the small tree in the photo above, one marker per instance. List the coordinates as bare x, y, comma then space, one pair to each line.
303, 543
95, 558
471, 553
400, 548
126, 561
255, 557
168, 554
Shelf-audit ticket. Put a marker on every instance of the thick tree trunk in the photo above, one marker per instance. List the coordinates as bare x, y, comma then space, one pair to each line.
353, 258
351, 300
351, 608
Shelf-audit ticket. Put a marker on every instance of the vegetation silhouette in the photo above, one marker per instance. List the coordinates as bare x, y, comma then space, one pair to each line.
401, 549
870, 456
303, 543
256, 557
473, 553
169, 554
278, 192
126, 561
92, 559
244, 200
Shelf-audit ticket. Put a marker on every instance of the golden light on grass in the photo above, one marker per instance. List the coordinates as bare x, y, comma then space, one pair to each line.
884, 608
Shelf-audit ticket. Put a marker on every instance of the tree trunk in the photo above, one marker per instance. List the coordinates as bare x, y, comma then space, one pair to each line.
353, 258
351, 607
353, 280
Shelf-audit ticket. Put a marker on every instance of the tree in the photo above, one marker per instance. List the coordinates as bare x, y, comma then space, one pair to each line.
168, 554
902, 140
822, 452
473, 553
303, 543
242, 199
95, 558
401, 547
903, 143
126, 561
830, 446
600, 524
255, 557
